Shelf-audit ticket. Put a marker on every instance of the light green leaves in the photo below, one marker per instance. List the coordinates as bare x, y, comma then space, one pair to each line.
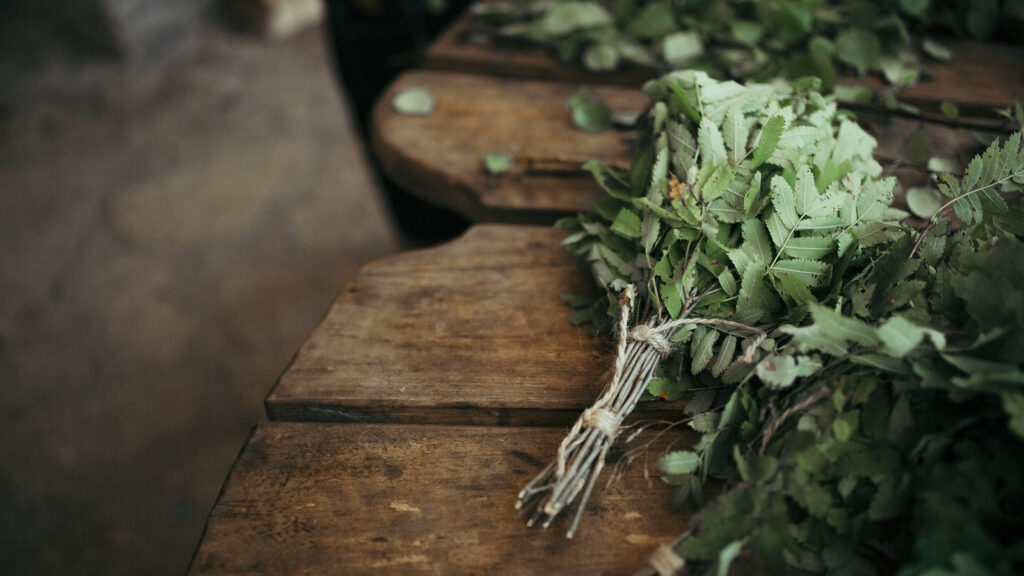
681, 47
497, 164
678, 463
900, 336
565, 17
768, 140
859, 48
977, 194
589, 113
414, 102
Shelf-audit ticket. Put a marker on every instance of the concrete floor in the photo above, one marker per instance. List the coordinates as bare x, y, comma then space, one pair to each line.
168, 238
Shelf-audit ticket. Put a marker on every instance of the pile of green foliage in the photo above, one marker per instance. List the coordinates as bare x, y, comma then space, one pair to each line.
752, 39
877, 428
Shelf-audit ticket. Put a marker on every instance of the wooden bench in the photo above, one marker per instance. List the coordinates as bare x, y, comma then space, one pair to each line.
443, 379
307, 498
471, 332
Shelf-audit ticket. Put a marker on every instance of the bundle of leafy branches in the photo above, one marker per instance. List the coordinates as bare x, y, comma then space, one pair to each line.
753, 39
857, 382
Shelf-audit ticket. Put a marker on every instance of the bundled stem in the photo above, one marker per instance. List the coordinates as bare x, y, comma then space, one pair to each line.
582, 453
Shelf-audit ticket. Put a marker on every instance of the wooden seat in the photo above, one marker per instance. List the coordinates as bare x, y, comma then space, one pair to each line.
471, 332
307, 498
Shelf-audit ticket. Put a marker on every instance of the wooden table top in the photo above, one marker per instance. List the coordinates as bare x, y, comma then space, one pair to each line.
471, 332
440, 157
312, 498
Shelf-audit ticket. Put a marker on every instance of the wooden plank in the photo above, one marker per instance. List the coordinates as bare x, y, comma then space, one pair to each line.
439, 157
471, 332
379, 499
980, 77
457, 50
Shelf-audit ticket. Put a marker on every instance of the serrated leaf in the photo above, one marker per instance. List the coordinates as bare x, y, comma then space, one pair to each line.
809, 272
899, 336
724, 356
805, 192
702, 349
679, 462
627, 223
705, 422
756, 243
810, 247
784, 202
771, 132
735, 132
727, 282
712, 146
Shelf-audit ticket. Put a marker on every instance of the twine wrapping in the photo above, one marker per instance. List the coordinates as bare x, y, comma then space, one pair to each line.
582, 453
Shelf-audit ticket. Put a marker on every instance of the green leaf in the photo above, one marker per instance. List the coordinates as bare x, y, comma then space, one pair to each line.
899, 336
681, 47
777, 371
712, 146
936, 50
784, 202
565, 17
679, 462
924, 202
414, 102
727, 282
859, 48
771, 132
915, 7
915, 148
701, 349
601, 57
808, 272
668, 388
497, 164
726, 352
735, 131
589, 113
653, 21
809, 247
705, 422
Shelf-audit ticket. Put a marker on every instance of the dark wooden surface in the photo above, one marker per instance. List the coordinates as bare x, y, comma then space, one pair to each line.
306, 498
440, 157
979, 77
471, 332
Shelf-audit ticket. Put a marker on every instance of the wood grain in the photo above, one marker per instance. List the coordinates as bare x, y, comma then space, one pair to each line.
318, 499
980, 76
471, 332
440, 157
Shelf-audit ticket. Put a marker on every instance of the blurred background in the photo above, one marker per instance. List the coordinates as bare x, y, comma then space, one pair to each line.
183, 192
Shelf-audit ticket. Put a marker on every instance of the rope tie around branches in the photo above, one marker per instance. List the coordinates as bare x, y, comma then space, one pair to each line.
582, 453
604, 421
653, 338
